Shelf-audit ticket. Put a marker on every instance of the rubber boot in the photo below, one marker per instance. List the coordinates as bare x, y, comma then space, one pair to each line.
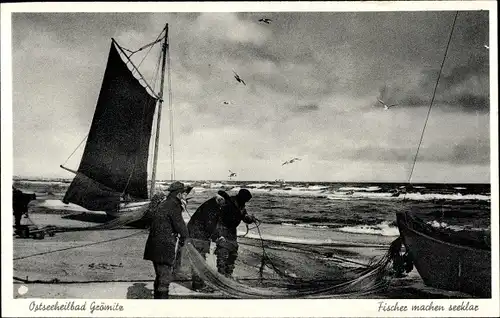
197, 283
162, 295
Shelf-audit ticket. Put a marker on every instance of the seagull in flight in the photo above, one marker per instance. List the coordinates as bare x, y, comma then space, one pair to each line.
487, 47
238, 78
290, 161
265, 20
226, 103
232, 174
386, 107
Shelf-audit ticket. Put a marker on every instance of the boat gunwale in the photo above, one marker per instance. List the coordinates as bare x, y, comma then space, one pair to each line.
440, 241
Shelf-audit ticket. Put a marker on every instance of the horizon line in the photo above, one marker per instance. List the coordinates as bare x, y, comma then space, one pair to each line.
14, 178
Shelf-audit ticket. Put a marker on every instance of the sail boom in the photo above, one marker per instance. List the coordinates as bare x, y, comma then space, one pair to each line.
68, 169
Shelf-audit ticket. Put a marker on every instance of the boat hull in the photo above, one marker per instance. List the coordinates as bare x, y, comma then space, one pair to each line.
446, 265
131, 208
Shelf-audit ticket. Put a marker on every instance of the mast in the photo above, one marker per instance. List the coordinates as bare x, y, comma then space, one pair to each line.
160, 103
171, 111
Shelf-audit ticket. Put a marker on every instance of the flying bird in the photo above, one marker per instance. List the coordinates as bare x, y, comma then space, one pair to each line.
487, 47
290, 161
232, 174
265, 20
226, 103
238, 78
386, 107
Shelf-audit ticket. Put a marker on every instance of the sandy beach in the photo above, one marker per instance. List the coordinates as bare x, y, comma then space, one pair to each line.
109, 265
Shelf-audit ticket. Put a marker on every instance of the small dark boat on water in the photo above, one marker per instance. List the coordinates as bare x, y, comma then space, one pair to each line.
446, 259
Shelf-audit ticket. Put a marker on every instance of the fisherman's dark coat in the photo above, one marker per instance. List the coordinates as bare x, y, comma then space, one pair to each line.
232, 213
166, 223
203, 223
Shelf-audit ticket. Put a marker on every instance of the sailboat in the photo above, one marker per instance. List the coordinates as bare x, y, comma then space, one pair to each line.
113, 171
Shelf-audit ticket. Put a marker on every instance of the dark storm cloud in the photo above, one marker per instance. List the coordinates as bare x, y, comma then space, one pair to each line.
478, 153
380, 154
468, 151
466, 88
464, 82
68, 26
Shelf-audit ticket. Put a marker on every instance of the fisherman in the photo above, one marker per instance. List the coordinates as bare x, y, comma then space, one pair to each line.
167, 228
232, 213
20, 201
202, 226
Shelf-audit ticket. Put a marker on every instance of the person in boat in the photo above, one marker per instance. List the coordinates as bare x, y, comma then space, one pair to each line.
166, 229
232, 213
201, 227
20, 201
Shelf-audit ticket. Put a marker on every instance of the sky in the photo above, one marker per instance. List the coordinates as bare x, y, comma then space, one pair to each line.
312, 84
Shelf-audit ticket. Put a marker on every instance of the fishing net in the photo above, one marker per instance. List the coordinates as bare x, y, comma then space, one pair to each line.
277, 269
279, 275
274, 269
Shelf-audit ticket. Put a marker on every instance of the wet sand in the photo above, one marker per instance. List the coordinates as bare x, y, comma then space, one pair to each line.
109, 264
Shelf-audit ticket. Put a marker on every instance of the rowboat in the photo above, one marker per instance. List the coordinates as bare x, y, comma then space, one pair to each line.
447, 260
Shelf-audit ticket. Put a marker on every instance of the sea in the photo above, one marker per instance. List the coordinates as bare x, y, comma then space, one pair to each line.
368, 208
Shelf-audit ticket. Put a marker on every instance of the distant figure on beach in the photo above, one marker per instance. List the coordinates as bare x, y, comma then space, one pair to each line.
232, 213
166, 223
20, 201
202, 226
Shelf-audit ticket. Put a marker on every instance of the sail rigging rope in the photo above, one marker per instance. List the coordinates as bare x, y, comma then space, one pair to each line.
154, 80
169, 81
433, 96
158, 39
81, 142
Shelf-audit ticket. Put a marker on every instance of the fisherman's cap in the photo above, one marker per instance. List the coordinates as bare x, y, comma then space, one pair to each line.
244, 195
179, 186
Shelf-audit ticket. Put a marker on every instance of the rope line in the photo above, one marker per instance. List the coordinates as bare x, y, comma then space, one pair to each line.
158, 39
156, 124
171, 108
56, 281
80, 246
81, 142
433, 95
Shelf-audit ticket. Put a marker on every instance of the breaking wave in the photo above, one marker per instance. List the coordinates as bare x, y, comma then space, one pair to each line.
384, 229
